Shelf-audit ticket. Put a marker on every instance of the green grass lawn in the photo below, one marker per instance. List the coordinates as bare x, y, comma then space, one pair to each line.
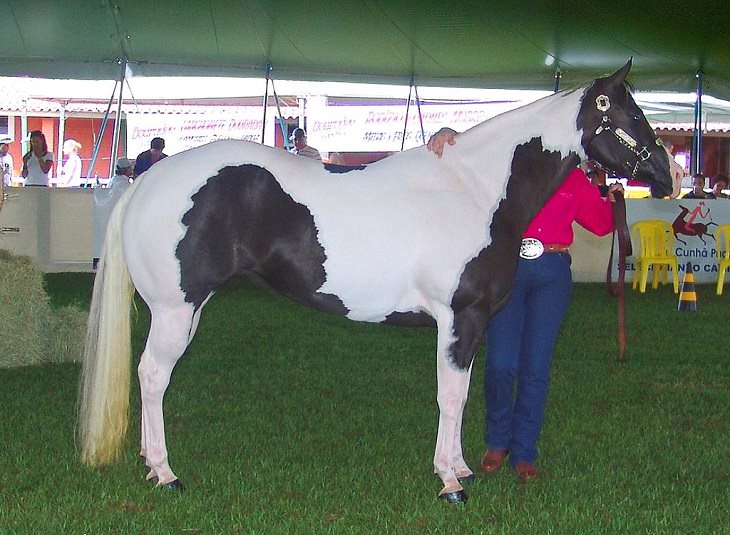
280, 419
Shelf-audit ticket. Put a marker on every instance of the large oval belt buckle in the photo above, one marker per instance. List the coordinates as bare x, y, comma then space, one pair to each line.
531, 248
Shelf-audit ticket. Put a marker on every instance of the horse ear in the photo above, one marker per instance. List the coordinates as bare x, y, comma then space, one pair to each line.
619, 77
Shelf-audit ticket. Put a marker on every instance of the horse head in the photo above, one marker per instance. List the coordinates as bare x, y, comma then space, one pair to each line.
618, 137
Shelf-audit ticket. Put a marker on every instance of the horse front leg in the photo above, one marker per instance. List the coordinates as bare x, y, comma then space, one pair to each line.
461, 469
448, 461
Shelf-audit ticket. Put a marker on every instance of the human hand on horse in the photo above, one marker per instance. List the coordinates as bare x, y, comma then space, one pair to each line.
612, 189
439, 139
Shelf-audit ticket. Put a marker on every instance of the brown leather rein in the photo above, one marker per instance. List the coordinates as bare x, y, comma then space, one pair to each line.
622, 236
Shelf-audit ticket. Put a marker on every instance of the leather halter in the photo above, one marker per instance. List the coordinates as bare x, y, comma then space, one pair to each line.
641, 153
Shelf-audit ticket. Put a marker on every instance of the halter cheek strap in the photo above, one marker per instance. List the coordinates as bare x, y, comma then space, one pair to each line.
641, 154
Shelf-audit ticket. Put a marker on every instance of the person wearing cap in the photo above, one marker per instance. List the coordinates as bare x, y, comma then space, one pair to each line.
37, 162
299, 137
106, 198
6, 161
146, 159
123, 175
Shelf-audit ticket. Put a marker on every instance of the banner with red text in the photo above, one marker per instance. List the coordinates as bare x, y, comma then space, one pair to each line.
184, 131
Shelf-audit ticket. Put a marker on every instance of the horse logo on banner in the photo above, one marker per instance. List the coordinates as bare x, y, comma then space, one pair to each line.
685, 223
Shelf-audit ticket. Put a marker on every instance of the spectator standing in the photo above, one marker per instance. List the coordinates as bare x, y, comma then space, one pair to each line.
720, 183
146, 159
70, 176
299, 137
123, 175
698, 188
6, 161
106, 198
676, 170
37, 162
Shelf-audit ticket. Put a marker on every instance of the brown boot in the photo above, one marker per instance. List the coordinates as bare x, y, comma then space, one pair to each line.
526, 472
492, 460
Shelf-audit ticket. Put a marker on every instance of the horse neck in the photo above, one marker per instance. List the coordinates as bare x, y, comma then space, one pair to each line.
485, 151
552, 118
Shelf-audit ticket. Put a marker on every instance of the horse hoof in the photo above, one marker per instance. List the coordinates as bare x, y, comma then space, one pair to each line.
458, 496
471, 478
175, 484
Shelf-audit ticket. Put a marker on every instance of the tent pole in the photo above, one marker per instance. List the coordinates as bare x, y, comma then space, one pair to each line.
24, 127
282, 123
696, 162
408, 107
418, 106
266, 101
61, 134
118, 119
102, 129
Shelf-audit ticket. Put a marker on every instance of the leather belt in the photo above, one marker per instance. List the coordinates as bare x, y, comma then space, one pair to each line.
557, 248
532, 248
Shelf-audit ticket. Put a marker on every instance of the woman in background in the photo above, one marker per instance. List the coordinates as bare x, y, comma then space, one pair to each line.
71, 170
37, 162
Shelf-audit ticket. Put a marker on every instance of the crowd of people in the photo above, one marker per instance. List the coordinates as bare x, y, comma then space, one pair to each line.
37, 168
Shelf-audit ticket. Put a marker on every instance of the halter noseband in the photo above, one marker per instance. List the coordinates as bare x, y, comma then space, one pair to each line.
641, 154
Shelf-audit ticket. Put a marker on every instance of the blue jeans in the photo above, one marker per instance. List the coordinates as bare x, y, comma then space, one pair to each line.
519, 344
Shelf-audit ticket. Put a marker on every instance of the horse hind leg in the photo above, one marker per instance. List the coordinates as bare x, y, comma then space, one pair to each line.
453, 387
449, 464
170, 333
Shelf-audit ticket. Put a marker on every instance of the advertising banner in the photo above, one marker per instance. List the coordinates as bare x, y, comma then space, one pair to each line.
381, 128
694, 222
184, 131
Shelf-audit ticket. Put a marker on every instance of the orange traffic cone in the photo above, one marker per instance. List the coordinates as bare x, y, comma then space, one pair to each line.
687, 295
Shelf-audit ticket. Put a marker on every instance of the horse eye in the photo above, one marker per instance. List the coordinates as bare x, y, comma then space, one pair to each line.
637, 118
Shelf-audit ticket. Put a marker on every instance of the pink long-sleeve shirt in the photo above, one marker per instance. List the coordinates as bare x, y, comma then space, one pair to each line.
575, 200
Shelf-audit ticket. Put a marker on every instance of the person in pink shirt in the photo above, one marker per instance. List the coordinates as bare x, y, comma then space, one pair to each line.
520, 339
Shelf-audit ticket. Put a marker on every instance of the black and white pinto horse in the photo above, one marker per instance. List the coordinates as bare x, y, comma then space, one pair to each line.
413, 240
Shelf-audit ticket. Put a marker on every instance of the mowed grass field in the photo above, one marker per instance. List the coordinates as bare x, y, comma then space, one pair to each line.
281, 419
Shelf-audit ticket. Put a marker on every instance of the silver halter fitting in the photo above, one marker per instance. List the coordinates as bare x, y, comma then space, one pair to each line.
603, 104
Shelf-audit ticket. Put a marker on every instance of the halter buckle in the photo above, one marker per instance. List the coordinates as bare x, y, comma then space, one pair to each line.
644, 154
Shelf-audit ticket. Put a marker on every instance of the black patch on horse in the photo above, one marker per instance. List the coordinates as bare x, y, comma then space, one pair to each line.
339, 169
486, 282
242, 222
410, 319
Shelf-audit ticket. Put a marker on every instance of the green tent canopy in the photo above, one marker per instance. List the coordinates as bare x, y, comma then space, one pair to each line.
508, 44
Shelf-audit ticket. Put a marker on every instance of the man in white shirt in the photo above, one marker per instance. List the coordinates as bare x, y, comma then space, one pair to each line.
299, 137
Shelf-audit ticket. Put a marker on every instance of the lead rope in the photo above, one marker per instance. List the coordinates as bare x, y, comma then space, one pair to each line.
622, 236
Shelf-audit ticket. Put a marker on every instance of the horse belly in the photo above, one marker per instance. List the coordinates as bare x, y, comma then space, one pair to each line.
390, 258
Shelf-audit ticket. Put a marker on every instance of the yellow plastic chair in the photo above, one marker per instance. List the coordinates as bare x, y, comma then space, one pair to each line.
653, 241
722, 243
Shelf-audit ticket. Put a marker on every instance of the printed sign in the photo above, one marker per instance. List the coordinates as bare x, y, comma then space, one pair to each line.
693, 222
381, 128
187, 130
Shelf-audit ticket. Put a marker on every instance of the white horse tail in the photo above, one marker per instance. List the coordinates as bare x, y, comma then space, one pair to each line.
104, 391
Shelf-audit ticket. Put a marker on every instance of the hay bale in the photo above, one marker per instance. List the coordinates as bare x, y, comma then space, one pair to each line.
31, 332
67, 328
